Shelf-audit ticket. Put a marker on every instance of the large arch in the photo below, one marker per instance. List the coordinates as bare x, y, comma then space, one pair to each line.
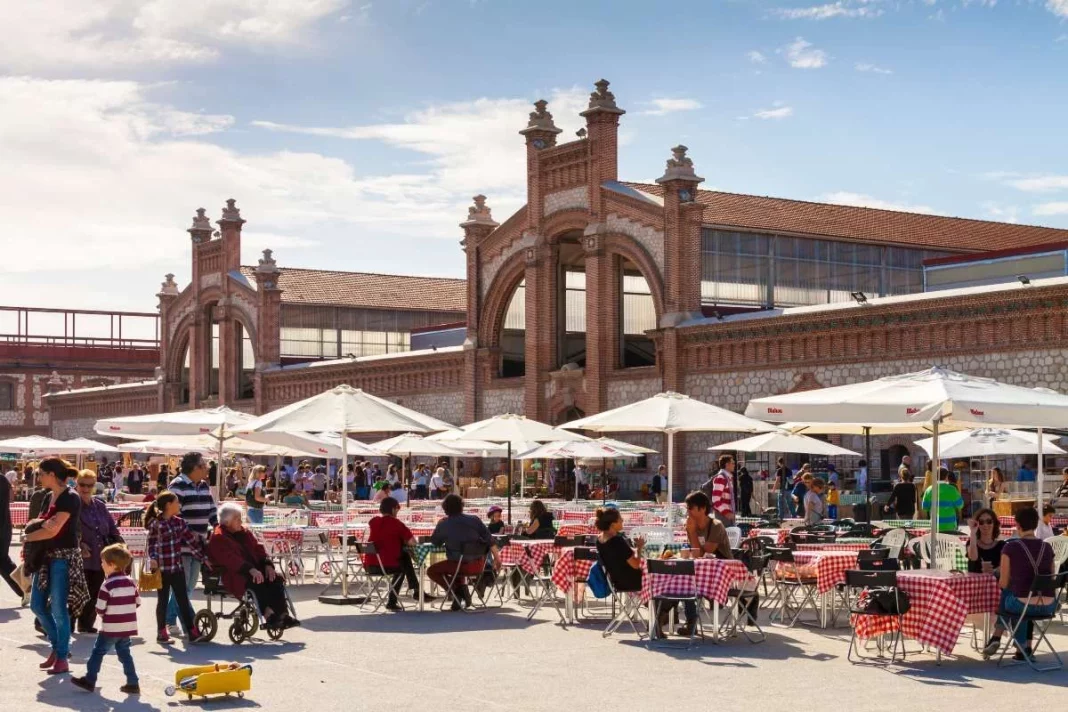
174, 358
498, 297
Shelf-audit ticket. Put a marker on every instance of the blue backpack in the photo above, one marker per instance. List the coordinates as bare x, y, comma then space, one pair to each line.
597, 582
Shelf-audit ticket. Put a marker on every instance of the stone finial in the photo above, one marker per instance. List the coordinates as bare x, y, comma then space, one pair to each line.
55, 384
267, 262
602, 100
169, 288
267, 271
479, 214
201, 228
680, 168
581, 133
541, 121
231, 213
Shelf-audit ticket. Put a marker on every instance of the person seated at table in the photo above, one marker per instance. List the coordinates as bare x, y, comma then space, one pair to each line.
950, 502
292, 498
622, 564
496, 519
390, 537
1045, 527
453, 532
540, 525
245, 566
984, 546
383, 492
902, 498
815, 507
1062, 491
1022, 559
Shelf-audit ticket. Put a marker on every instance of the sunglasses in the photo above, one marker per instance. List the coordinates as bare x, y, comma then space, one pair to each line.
86, 485
986, 521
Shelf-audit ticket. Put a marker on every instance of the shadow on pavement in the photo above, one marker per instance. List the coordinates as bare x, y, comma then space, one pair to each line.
430, 621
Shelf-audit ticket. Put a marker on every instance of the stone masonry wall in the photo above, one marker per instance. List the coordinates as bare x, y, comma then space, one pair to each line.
502, 400
622, 392
447, 406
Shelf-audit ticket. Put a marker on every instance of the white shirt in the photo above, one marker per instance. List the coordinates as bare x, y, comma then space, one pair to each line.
1043, 531
400, 494
862, 479
12, 477
580, 475
436, 482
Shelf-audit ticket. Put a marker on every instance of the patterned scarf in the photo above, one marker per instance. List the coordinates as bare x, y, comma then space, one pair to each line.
79, 589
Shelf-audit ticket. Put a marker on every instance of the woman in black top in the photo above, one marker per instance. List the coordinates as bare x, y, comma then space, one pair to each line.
903, 498
984, 546
540, 525
622, 564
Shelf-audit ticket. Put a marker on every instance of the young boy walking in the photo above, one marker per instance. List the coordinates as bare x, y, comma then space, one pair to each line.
116, 605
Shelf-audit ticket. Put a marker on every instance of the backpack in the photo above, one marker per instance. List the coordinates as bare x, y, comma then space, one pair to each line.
597, 581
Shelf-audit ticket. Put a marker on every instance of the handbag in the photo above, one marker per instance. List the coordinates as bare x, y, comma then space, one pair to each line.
888, 602
148, 581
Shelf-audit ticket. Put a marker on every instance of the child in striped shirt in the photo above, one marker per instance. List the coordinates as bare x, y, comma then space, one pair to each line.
116, 605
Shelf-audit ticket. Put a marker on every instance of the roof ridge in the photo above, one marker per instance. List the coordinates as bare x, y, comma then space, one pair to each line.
368, 274
857, 207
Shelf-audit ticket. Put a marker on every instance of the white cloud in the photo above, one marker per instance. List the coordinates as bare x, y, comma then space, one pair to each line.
1060, 208
60, 34
756, 57
1040, 184
670, 106
828, 11
866, 67
781, 112
802, 55
1000, 213
1062, 38
866, 201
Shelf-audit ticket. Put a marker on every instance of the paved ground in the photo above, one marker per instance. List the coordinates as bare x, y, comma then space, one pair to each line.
496, 660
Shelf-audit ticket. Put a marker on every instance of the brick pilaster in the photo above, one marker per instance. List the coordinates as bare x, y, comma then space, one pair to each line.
682, 240
602, 131
477, 228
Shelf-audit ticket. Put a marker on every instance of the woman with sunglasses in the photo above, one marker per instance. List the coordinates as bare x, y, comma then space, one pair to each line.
984, 545
98, 530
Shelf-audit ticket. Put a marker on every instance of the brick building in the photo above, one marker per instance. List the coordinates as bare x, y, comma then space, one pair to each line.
599, 292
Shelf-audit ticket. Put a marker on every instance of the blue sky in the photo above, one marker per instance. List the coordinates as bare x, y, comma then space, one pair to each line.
353, 134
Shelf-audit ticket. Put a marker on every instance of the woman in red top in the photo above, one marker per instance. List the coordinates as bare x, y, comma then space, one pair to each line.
390, 537
245, 566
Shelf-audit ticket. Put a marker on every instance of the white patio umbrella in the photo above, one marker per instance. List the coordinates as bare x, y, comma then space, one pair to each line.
580, 450
669, 413
33, 445
85, 446
179, 445
344, 410
936, 396
514, 431
627, 446
990, 442
409, 445
785, 441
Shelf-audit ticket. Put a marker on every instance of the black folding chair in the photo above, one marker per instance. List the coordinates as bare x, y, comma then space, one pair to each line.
585, 554
544, 579
470, 551
1042, 585
681, 569
863, 585
870, 560
742, 602
789, 584
375, 576
629, 604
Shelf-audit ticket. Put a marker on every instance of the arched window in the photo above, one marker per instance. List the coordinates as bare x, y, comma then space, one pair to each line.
513, 335
246, 364
638, 316
571, 303
7, 395
183, 391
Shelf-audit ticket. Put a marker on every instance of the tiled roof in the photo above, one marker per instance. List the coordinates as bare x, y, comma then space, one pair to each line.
369, 291
869, 224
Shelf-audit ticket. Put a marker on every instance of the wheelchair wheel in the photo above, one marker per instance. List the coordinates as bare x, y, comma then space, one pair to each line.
237, 633
207, 624
275, 633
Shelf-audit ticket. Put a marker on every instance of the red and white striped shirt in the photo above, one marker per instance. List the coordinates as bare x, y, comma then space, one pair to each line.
722, 493
117, 605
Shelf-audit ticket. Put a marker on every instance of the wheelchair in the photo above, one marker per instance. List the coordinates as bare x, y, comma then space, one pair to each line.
246, 618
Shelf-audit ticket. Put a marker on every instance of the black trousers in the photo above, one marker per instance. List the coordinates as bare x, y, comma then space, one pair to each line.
174, 582
7, 566
93, 579
270, 594
406, 571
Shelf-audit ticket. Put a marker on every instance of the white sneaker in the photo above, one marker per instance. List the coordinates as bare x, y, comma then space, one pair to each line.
174, 630
25, 599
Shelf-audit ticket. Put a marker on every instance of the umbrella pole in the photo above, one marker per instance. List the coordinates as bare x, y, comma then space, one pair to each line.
218, 473
604, 481
277, 475
867, 478
671, 478
509, 482
1039, 497
936, 470
344, 515
522, 479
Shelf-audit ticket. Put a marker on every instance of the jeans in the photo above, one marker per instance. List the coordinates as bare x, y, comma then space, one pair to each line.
783, 503
191, 568
7, 566
832, 511
255, 515
103, 646
420, 491
51, 607
1011, 604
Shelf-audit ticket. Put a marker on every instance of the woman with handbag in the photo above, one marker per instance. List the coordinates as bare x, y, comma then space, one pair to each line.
98, 530
59, 584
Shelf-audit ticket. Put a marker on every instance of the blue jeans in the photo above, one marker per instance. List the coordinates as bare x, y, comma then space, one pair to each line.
255, 515
103, 646
832, 511
785, 505
191, 567
51, 607
1011, 604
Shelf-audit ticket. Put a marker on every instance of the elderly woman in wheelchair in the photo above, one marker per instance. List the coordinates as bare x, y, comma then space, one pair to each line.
247, 574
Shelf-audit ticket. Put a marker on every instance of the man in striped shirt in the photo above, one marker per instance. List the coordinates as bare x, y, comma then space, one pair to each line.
720, 490
199, 512
116, 604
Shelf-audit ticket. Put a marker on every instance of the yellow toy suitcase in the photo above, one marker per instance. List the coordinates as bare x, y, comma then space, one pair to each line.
216, 679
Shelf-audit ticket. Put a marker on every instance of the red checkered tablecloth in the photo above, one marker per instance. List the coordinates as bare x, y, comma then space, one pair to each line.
1009, 522
714, 577
834, 547
136, 539
781, 536
940, 602
829, 566
20, 513
527, 553
566, 570
571, 516
576, 529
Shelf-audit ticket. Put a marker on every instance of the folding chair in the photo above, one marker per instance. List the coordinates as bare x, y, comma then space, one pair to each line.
471, 550
1040, 622
629, 604
375, 576
789, 583
336, 565
739, 599
894, 540
861, 585
870, 560
683, 590
546, 588
584, 554
503, 580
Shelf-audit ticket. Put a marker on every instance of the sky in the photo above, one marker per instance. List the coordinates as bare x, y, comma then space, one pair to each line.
353, 134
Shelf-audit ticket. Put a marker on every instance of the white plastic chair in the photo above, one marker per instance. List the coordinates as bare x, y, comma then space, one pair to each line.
654, 535
734, 536
895, 540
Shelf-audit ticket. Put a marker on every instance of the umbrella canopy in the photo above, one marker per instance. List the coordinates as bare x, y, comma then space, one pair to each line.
34, 445
85, 446
570, 450
784, 441
623, 444
990, 442
179, 445
509, 428
860, 429
416, 445
354, 447
344, 409
186, 422
936, 394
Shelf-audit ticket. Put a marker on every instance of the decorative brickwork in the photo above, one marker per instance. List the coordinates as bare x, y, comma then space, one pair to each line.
567, 200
